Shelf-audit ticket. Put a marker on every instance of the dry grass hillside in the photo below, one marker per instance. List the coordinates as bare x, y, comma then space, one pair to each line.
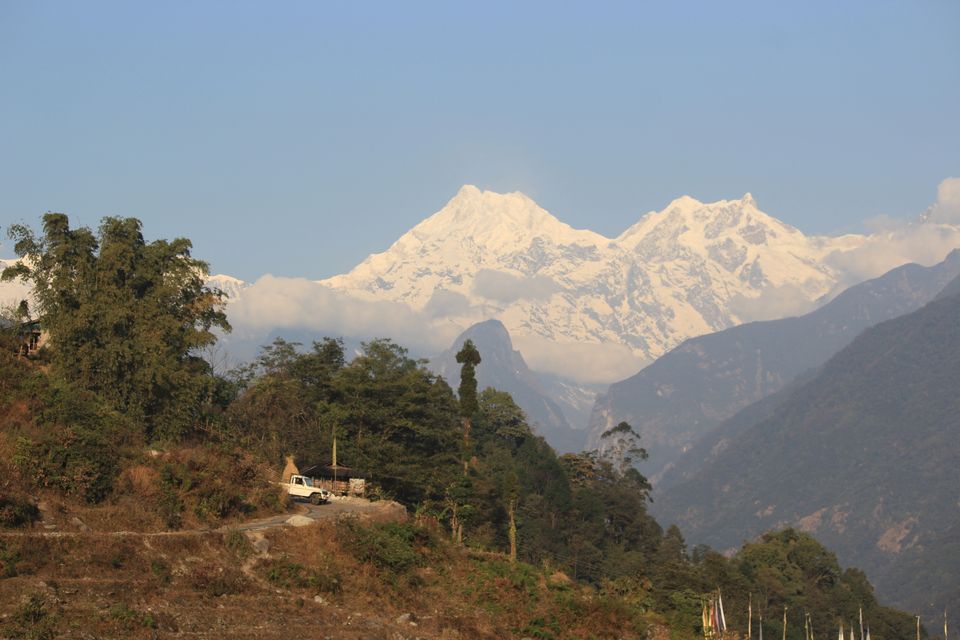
348, 579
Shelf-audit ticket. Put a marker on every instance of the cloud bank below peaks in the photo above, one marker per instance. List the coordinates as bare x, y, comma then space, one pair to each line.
297, 303
892, 243
274, 304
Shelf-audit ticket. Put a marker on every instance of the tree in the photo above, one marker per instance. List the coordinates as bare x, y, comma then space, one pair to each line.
469, 357
127, 319
621, 447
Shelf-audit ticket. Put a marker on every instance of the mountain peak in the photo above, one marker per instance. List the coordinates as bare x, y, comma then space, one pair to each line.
488, 330
683, 204
497, 219
748, 200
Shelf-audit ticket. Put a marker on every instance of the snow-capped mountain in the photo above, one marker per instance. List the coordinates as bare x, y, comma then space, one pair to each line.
12, 291
689, 269
231, 286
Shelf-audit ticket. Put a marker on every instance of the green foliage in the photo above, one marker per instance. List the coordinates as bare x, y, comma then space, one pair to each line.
73, 444
130, 619
34, 619
394, 548
787, 568
283, 572
17, 512
214, 485
238, 544
622, 447
469, 357
216, 581
9, 559
127, 317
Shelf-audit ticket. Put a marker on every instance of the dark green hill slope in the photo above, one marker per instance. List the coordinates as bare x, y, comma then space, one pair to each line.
866, 456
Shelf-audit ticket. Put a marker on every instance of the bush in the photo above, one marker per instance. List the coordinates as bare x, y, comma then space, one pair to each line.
9, 558
129, 619
212, 484
238, 543
287, 574
33, 620
217, 581
393, 547
74, 446
17, 512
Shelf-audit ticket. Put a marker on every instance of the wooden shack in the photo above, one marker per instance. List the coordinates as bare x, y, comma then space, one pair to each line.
337, 479
27, 336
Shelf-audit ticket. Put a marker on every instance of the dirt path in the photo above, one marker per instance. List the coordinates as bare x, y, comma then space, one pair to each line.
333, 510
306, 514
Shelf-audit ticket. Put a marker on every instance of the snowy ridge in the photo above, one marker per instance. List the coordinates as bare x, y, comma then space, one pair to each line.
689, 269
232, 287
13, 291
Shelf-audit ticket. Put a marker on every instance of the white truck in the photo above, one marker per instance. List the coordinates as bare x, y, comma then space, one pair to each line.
302, 487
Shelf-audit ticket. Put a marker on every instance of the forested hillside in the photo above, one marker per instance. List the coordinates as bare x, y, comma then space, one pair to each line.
120, 420
863, 455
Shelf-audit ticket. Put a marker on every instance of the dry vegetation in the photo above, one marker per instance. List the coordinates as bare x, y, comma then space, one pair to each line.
347, 579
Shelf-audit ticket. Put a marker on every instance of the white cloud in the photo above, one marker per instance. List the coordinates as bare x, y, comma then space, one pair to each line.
772, 303
296, 303
13, 291
947, 208
506, 287
925, 244
587, 362
893, 242
445, 303
274, 303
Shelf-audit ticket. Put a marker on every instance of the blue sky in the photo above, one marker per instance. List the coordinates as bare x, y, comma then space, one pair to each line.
295, 138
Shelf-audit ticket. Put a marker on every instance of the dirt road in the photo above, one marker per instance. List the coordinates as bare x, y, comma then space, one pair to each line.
305, 514
336, 508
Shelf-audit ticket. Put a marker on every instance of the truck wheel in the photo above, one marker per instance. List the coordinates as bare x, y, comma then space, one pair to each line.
314, 498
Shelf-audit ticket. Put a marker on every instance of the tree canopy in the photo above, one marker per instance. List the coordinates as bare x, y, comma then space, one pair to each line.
127, 318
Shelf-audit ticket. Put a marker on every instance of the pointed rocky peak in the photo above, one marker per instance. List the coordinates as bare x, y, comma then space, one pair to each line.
487, 330
748, 200
499, 360
490, 337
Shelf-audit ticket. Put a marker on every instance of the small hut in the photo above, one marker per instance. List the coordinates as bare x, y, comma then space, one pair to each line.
29, 336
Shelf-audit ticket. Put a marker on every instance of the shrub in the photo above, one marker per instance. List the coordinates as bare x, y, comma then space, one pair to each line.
33, 620
239, 544
217, 581
130, 619
393, 547
210, 483
161, 572
74, 448
9, 558
17, 512
287, 574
